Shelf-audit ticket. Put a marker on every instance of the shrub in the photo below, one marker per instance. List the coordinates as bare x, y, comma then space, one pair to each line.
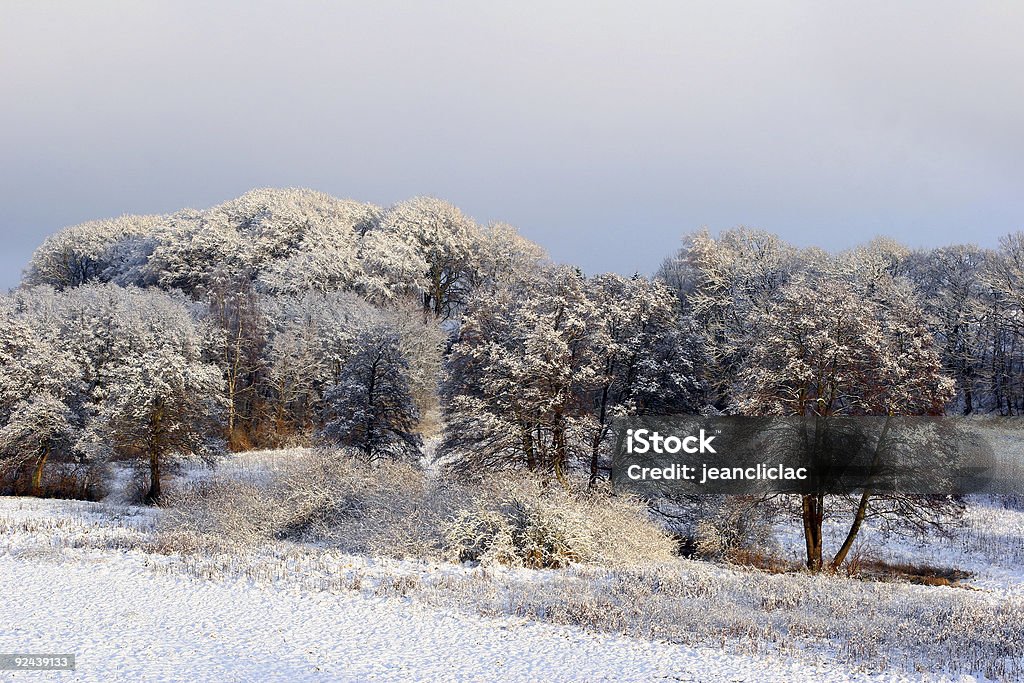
728, 529
394, 509
517, 533
324, 497
530, 525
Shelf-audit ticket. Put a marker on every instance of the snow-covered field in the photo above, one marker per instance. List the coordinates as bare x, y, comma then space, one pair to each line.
126, 622
99, 581
76, 578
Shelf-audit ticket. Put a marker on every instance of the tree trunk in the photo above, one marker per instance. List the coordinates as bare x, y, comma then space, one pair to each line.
858, 520
813, 516
560, 456
232, 385
540, 448
595, 452
154, 475
531, 453
37, 473
154, 442
371, 399
862, 506
437, 292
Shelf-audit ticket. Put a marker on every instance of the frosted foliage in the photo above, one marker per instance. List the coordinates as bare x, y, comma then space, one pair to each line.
827, 347
293, 241
100, 370
392, 268
526, 525
541, 367
439, 231
334, 358
445, 239
504, 256
89, 252
722, 282
39, 382
144, 348
523, 357
290, 240
370, 406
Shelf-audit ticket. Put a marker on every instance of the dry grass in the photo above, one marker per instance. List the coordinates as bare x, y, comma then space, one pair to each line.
924, 574
764, 561
397, 510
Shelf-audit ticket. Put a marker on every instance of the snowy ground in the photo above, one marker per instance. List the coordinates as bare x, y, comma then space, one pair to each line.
77, 578
126, 623
97, 580
988, 542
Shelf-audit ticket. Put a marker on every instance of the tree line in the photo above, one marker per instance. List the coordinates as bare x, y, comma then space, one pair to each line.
289, 316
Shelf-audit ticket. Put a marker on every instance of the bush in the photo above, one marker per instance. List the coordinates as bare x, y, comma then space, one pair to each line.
529, 525
728, 529
517, 533
324, 497
397, 510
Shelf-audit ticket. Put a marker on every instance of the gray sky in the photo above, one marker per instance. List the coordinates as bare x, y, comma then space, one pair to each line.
603, 131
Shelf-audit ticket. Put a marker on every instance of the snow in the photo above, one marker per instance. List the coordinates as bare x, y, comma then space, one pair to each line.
127, 623
989, 544
128, 617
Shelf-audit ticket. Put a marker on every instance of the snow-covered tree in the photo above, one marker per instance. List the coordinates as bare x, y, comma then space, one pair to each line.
191, 248
955, 298
516, 377
40, 383
289, 240
825, 348
326, 257
1002, 312
370, 408
311, 338
881, 258
164, 403
834, 345
154, 394
240, 332
722, 283
314, 341
644, 353
502, 255
100, 371
91, 252
393, 269
445, 239
543, 365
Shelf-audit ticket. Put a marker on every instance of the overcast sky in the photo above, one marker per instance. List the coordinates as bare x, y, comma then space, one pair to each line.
602, 131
